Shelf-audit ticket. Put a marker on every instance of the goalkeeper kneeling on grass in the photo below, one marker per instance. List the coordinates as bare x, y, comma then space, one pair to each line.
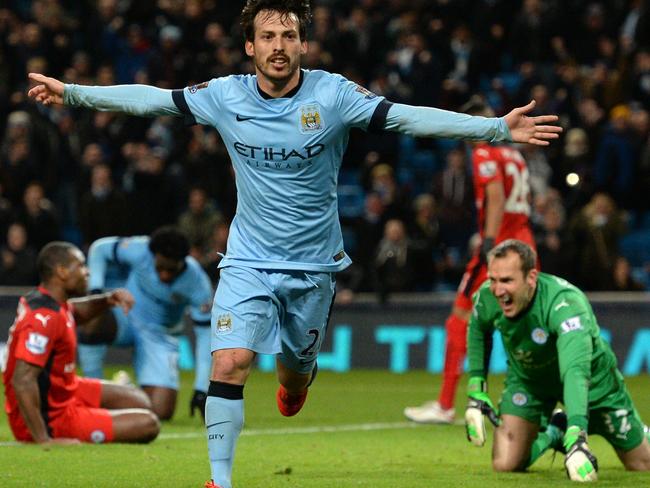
555, 354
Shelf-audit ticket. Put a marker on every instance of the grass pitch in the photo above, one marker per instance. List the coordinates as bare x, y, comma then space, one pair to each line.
351, 433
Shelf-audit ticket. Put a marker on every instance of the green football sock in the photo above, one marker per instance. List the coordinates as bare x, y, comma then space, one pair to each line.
550, 438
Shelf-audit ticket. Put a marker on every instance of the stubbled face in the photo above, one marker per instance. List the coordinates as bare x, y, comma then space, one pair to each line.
276, 47
509, 285
76, 282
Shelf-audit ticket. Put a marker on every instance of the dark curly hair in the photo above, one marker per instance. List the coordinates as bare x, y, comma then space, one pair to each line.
285, 8
170, 243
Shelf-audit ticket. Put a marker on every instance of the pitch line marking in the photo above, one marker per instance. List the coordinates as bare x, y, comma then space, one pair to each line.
289, 431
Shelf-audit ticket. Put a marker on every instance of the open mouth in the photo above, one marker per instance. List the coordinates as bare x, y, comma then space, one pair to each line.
279, 62
506, 302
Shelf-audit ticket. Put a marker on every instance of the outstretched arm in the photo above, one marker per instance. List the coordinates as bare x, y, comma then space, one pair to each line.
140, 100
432, 122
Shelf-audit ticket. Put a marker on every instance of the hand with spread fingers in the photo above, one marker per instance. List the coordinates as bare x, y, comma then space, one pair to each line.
532, 130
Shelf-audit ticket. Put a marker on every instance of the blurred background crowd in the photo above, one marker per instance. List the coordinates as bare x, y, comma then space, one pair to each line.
407, 205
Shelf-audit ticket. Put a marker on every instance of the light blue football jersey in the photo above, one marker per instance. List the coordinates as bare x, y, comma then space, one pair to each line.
156, 303
286, 153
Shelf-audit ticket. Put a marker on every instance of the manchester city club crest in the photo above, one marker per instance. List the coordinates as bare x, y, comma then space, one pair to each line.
224, 324
311, 119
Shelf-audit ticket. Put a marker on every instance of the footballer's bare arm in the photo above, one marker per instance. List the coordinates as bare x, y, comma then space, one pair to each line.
25, 383
89, 307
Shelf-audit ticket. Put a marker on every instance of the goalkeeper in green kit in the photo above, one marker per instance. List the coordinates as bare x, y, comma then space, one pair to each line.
555, 354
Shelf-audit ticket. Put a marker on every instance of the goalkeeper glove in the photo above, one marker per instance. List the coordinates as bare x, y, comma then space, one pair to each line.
198, 402
580, 463
479, 404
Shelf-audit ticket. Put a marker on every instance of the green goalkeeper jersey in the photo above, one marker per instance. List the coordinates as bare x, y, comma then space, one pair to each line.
553, 346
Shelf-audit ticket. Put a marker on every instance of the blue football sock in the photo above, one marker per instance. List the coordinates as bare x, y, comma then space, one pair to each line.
224, 418
91, 359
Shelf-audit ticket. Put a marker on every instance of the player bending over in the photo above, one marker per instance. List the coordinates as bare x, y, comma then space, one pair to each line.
165, 281
555, 354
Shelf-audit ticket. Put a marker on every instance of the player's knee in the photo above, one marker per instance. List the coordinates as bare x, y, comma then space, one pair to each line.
163, 411
506, 465
150, 427
140, 398
637, 464
230, 368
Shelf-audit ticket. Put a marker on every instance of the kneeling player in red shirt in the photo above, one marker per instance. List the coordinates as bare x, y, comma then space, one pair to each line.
45, 400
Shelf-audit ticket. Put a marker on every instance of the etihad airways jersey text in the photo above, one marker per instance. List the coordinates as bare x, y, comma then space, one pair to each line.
286, 154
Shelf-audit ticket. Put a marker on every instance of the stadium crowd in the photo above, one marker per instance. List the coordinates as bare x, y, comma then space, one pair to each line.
407, 205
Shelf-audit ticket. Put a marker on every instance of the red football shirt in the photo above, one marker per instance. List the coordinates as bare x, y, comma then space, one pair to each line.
507, 165
44, 335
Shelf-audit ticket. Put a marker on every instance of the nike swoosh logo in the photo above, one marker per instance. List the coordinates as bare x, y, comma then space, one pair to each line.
242, 119
218, 423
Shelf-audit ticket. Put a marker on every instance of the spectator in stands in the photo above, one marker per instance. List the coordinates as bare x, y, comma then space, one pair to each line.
18, 259
368, 230
17, 160
7, 213
593, 237
39, 216
383, 183
199, 222
104, 209
153, 193
394, 264
453, 191
425, 241
614, 169
550, 239
622, 277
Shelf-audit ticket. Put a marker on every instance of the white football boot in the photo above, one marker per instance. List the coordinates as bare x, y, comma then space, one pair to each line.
430, 413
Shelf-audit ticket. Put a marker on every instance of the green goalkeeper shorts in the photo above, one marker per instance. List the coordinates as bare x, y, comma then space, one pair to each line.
611, 414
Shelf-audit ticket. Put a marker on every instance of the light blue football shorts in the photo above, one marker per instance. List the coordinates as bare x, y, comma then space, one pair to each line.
155, 352
273, 312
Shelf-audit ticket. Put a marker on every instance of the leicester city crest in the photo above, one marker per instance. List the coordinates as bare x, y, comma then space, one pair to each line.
311, 119
519, 399
539, 336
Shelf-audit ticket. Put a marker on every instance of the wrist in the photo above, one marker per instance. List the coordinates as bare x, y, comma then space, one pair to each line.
572, 435
579, 421
476, 384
